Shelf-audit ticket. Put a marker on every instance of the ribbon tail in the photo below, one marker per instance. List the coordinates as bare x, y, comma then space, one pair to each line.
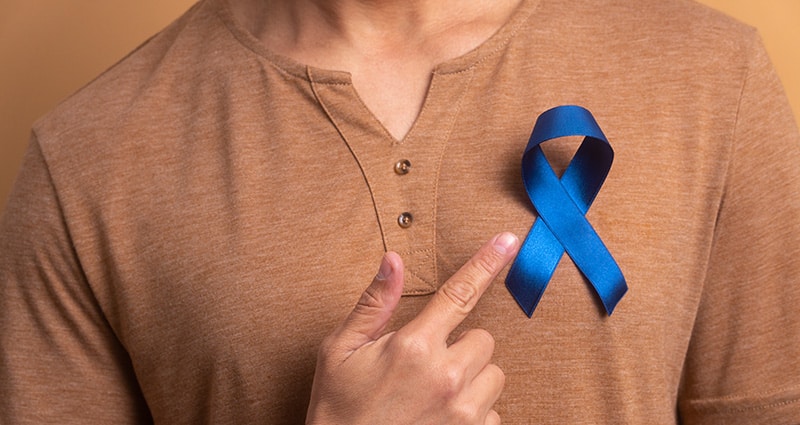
534, 266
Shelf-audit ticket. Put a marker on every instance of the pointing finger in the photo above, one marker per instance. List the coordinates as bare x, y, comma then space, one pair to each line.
454, 300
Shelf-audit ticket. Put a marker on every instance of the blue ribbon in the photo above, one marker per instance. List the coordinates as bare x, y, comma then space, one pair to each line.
562, 205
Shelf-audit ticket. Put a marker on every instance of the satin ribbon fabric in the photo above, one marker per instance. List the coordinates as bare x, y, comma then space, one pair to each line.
562, 205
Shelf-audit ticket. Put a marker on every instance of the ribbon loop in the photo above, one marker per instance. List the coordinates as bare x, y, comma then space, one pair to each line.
562, 205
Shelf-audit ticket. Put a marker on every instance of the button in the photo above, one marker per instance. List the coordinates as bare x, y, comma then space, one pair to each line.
405, 219
402, 167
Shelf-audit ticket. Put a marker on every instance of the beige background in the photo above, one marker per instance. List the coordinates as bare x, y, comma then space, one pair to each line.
50, 48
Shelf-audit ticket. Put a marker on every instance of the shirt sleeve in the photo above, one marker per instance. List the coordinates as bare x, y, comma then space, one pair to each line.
743, 361
60, 361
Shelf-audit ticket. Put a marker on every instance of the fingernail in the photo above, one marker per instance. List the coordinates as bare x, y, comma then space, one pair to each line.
505, 242
385, 270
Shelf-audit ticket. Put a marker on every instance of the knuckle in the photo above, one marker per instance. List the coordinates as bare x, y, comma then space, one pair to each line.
461, 294
465, 413
452, 382
463, 291
410, 346
493, 418
486, 338
497, 373
369, 301
484, 265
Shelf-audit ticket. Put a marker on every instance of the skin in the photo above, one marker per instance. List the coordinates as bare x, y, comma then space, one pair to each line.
414, 376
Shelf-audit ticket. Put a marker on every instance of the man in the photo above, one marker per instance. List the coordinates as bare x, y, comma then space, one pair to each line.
189, 228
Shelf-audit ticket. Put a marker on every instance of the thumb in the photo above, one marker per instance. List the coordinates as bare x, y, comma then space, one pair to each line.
376, 305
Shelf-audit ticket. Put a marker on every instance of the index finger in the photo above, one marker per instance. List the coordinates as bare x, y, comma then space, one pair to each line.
454, 300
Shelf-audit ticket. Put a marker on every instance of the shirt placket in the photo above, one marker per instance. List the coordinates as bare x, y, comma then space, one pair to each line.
402, 175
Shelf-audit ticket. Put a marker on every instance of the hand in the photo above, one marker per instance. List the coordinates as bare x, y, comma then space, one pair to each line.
412, 376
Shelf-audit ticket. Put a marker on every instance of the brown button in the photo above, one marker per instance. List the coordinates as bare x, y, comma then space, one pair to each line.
405, 219
402, 167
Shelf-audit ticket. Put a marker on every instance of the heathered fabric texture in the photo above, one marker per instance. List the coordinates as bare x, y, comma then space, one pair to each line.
187, 228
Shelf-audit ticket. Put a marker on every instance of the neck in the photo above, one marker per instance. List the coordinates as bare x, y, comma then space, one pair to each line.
355, 20
311, 29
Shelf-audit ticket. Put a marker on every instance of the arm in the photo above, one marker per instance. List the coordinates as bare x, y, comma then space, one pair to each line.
743, 362
60, 361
